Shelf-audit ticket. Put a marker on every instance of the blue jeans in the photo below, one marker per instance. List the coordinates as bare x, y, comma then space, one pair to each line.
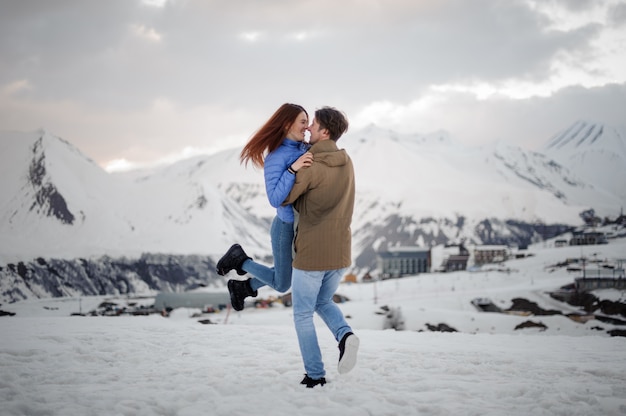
279, 276
313, 291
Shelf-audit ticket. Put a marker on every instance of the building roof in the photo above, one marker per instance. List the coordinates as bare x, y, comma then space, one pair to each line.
405, 252
492, 247
190, 299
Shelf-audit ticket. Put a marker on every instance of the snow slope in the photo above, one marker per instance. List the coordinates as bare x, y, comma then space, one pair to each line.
249, 362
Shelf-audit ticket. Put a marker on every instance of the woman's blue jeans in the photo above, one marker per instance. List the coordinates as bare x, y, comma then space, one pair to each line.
279, 276
313, 291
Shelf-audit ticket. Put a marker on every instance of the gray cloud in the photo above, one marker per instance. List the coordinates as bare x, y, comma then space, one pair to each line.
96, 72
617, 14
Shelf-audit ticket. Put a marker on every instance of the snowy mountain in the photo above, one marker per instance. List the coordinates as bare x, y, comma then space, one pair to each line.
595, 151
411, 190
58, 203
439, 178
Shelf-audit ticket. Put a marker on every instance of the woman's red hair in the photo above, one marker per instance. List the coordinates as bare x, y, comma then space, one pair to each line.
271, 135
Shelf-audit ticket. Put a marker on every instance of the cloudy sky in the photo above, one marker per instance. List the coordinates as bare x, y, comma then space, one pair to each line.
134, 82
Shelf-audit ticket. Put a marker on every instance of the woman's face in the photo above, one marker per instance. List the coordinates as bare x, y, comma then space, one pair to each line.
298, 128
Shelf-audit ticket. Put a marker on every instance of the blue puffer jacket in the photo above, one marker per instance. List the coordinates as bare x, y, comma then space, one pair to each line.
278, 181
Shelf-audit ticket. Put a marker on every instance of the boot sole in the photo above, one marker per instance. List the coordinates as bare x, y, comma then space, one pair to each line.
348, 360
237, 307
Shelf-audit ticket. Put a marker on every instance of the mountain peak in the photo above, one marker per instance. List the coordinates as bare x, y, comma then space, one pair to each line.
594, 151
47, 198
585, 135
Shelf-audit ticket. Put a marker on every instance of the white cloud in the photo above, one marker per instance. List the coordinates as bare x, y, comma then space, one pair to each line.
120, 165
251, 36
155, 3
163, 105
256, 36
302, 36
566, 15
527, 122
16, 87
124, 165
146, 33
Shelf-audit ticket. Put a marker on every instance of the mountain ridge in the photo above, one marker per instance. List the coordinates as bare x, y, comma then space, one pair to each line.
203, 204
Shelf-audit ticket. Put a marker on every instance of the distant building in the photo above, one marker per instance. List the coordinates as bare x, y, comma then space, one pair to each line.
587, 284
561, 242
404, 261
490, 254
587, 238
456, 261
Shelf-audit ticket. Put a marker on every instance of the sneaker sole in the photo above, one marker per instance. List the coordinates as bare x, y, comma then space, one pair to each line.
348, 361
235, 306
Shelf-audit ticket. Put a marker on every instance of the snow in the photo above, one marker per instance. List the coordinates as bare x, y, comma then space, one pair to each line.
248, 362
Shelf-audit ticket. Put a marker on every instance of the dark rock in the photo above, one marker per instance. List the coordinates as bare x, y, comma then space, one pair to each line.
531, 324
524, 305
440, 328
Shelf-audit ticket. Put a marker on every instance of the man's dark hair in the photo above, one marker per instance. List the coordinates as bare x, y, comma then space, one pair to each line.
333, 120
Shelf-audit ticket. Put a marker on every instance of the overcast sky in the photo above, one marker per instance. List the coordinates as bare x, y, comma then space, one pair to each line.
142, 81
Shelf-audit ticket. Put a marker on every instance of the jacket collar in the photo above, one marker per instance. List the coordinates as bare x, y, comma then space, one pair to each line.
324, 146
294, 144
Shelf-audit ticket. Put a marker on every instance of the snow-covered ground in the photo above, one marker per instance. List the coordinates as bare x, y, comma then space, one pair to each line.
249, 363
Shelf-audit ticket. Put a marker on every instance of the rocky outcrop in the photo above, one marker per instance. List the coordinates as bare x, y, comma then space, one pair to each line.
47, 199
44, 278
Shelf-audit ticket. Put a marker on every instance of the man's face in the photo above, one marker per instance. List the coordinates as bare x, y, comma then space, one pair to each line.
317, 133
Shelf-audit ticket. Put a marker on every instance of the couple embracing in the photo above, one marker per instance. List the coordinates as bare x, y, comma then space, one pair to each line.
313, 190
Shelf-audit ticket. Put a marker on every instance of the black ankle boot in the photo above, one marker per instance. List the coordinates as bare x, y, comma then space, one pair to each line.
312, 382
239, 290
233, 259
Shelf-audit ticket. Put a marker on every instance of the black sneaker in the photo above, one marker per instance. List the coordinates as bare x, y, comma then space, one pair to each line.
348, 348
239, 290
233, 259
311, 382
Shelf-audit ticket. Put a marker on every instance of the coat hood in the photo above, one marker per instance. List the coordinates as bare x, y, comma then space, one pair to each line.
328, 153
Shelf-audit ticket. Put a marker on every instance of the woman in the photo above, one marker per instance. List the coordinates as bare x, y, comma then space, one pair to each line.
279, 148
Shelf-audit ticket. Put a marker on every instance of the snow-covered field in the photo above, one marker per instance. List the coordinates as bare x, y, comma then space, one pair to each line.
248, 362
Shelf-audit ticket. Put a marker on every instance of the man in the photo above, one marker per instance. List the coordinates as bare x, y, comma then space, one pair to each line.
323, 196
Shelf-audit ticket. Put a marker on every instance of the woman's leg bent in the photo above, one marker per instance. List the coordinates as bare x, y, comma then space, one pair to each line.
282, 248
279, 276
262, 275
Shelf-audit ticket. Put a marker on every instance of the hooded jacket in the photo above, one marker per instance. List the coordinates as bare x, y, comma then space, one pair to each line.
278, 181
323, 196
